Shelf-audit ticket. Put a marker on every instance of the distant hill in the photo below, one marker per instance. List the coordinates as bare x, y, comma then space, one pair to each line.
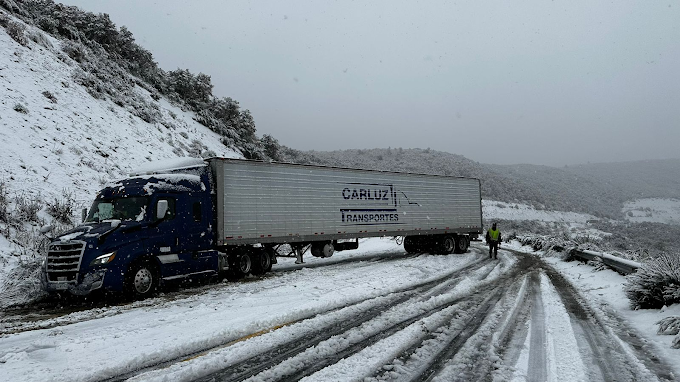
597, 189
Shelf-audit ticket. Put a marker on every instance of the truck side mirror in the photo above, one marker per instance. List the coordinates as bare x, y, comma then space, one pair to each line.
161, 209
83, 214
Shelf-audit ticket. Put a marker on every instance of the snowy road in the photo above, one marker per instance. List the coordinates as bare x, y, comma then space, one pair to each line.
372, 314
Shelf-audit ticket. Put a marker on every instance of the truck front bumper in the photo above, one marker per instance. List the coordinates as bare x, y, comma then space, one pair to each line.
88, 283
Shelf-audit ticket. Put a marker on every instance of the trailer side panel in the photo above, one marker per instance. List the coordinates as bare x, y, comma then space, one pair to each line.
275, 202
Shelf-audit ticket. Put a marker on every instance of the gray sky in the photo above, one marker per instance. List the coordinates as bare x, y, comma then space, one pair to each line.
542, 82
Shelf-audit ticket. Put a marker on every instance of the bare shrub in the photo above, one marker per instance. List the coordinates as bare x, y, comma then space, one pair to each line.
20, 108
27, 209
3, 19
62, 209
76, 150
4, 202
655, 284
16, 31
22, 284
40, 38
669, 325
49, 96
74, 50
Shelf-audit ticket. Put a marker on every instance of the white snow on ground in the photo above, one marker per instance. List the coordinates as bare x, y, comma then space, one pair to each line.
653, 210
492, 209
604, 291
564, 360
101, 348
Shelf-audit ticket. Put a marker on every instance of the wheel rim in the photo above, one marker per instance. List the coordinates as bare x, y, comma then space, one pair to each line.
264, 261
328, 250
449, 245
143, 281
462, 244
244, 264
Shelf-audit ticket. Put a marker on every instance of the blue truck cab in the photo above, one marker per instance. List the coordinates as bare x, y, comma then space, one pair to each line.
139, 232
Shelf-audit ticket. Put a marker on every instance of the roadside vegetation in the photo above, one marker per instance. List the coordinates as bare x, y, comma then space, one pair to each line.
21, 218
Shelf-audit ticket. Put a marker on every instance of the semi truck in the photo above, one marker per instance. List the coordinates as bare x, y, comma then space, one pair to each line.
190, 218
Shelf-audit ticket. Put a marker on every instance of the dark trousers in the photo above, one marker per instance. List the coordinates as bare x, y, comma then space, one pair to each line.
493, 248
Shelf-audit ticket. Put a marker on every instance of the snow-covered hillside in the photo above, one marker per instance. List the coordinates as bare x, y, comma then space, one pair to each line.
56, 136
654, 210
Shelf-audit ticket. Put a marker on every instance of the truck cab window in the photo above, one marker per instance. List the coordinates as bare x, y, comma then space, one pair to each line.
196, 211
170, 214
125, 209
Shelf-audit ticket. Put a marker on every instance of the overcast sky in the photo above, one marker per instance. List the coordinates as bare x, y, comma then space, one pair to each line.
541, 82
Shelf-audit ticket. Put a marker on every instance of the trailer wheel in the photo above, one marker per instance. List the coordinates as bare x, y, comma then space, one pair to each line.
262, 263
411, 245
447, 245
239, 265
141, 280
244, 264
316, 250
322, 249
328, 250
461, 244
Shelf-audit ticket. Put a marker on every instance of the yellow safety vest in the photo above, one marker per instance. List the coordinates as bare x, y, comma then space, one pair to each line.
494, 234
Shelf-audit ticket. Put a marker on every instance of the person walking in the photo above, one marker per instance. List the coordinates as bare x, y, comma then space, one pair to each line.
493, 239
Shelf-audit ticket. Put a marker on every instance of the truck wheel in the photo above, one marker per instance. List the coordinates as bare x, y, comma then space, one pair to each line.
262, 264
317, 249
461, 244
328, 250
239, 266
447, 245
142, 279
410, 245
244, 264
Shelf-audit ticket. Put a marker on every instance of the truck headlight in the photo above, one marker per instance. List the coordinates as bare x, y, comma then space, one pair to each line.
104, 259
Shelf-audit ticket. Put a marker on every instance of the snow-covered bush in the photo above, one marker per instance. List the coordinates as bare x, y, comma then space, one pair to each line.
49, 96
62, 209
16, 31
655, 284
20, 108
22, 284
39, 38
669, 325
4, 202
3, 19
75, 50
27, 209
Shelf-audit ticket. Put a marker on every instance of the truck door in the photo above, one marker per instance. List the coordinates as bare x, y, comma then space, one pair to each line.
166, 241
195, 238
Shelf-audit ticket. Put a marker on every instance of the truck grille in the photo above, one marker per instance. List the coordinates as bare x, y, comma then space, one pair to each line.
63, 260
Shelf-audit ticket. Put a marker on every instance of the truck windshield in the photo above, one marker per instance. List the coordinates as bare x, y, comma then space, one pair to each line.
131, 208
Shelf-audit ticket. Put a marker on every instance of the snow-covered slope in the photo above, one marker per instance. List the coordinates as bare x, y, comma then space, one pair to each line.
518, 211
76, 142
653, 210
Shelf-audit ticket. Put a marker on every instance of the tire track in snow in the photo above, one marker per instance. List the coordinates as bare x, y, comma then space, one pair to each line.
616, 356
54, 311
244, 368
538, 367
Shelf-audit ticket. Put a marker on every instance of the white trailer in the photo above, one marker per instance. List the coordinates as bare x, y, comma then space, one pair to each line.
281, 203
